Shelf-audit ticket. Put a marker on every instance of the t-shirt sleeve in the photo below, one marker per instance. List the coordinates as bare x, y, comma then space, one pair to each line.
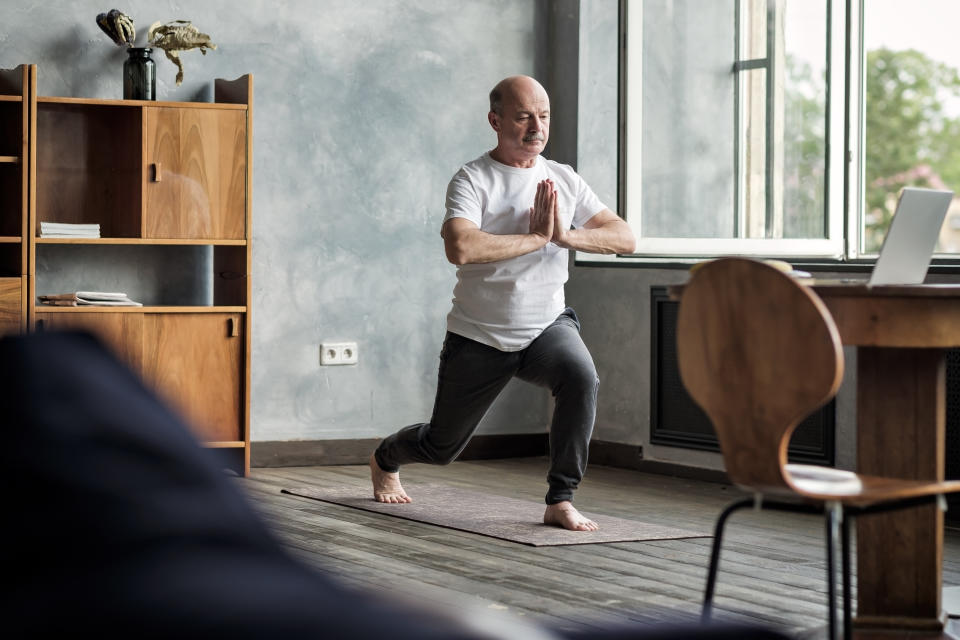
462, 200
588, 204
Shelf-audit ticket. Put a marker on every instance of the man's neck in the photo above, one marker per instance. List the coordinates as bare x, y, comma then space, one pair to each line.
521, 162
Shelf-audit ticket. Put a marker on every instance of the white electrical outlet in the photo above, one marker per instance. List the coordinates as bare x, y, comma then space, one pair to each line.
337, 353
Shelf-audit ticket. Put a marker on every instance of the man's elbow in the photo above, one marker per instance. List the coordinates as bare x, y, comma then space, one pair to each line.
456, 253
627, 242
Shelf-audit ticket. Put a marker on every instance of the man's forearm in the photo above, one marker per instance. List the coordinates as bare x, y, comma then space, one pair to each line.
478, 247
614, 236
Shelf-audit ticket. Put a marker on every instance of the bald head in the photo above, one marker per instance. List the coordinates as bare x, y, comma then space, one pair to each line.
520, 114
511, 87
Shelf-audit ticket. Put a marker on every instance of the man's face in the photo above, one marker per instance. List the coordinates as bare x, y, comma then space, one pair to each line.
523, 126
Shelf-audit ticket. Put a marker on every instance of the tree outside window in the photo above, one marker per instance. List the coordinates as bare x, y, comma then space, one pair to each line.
911, 140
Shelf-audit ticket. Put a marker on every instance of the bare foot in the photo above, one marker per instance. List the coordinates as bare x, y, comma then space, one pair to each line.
562, 514
386, 485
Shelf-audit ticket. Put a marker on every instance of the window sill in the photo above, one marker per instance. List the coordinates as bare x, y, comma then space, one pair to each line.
949, 266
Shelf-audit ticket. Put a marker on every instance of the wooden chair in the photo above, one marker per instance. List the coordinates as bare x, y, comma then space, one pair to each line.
759, 352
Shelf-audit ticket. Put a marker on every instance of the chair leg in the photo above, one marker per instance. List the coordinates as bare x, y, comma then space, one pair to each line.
845, 549
832, 534
715, 556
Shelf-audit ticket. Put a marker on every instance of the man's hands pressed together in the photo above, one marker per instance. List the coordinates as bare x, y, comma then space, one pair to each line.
543, 214
605, 232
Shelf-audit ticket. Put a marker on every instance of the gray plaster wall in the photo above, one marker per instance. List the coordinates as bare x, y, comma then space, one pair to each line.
362, 113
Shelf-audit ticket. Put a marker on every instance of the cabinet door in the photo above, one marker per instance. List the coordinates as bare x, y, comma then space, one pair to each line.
195, 361
121, 332
10, 293
195, 164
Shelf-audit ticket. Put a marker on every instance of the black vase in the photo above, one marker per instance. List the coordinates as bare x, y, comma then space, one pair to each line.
139, 75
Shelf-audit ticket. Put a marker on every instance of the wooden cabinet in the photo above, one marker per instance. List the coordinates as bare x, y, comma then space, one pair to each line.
160, 179
11, 305
170, 173
194, 361
88, 165
195, 165
15, 94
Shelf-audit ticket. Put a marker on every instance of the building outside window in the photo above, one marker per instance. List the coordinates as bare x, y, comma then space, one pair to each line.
785, 127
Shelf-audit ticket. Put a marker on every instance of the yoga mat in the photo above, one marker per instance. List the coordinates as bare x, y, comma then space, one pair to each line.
490, 515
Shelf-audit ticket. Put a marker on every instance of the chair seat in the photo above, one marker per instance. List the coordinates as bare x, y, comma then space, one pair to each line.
854, 489
826, 480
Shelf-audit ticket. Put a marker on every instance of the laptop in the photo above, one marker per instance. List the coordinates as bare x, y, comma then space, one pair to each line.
908, 246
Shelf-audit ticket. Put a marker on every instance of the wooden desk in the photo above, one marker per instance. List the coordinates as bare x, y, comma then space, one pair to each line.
901, 334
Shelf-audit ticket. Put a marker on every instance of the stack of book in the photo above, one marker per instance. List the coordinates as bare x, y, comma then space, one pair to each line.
67, 230
92, 298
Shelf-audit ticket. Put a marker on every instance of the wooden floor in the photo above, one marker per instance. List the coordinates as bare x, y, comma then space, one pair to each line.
772, 571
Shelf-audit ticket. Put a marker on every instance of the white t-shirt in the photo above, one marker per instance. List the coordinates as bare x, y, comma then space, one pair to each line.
506, 304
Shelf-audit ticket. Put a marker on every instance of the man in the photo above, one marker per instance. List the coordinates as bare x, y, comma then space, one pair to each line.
507, 228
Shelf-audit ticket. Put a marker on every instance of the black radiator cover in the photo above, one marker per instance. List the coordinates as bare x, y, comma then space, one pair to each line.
677, 421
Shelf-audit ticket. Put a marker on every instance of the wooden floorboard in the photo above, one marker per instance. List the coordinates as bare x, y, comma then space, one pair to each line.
772, 571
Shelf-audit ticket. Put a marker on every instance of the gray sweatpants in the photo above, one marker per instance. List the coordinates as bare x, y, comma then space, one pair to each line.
471, 376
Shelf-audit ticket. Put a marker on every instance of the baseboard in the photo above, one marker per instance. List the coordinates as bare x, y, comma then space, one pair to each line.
615, 454
310, 453
626, 456
683, 471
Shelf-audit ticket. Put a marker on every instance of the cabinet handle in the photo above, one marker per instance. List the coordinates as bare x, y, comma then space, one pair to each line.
157, 175
232, 328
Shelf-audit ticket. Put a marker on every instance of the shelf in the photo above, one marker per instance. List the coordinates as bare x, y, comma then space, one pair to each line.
90, 308
10, 239
139, 103
11, 98
144, 241
229, 444
180, 244
9, 159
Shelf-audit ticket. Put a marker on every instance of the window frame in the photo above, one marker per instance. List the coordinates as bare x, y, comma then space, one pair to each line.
843, 162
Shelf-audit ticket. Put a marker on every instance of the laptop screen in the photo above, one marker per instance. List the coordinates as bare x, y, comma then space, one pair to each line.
908, 246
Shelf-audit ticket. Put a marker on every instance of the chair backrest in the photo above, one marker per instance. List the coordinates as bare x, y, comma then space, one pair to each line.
758, 352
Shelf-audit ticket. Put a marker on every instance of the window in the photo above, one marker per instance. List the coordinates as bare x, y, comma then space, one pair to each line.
911, 121
742, 135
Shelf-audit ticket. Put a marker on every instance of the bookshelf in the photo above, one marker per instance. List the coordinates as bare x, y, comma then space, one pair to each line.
15, 101
168, 181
